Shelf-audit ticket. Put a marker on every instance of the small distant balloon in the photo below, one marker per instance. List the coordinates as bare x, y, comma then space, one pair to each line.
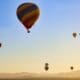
28, 14
71, 67
74, 34
0, 45
46, 66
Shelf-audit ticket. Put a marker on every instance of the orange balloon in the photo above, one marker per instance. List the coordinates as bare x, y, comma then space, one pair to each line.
28, 14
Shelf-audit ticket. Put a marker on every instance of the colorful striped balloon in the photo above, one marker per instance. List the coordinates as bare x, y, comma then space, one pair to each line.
28, 14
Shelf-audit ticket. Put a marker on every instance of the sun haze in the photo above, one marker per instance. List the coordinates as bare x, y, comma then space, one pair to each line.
50, 39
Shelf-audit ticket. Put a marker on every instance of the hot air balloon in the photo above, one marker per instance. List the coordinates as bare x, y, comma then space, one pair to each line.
0, 45
71, 67
28, 14
74, 34
46, 66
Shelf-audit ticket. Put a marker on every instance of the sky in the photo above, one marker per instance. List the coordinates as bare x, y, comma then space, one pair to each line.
50, 39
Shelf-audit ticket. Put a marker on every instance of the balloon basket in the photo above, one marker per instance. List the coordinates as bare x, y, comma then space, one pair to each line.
28, 31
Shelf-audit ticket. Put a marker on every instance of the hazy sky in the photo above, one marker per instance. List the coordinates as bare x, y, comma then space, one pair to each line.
50, 39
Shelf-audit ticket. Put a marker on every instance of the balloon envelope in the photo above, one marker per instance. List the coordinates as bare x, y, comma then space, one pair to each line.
71, 67
0, 45
28, 14
46, 66
74, 34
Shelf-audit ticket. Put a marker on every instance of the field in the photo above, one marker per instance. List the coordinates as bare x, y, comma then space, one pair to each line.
45, 79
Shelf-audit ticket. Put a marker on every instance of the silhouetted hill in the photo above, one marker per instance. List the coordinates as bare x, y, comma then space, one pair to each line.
73, 74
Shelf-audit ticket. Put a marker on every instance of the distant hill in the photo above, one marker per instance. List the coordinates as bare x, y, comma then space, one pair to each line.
73, 74
16, 75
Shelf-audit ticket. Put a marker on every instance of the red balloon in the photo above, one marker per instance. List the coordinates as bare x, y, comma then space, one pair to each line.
28, 14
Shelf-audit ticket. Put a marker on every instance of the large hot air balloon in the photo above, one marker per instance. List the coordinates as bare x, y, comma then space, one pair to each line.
28, 14
74, 34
